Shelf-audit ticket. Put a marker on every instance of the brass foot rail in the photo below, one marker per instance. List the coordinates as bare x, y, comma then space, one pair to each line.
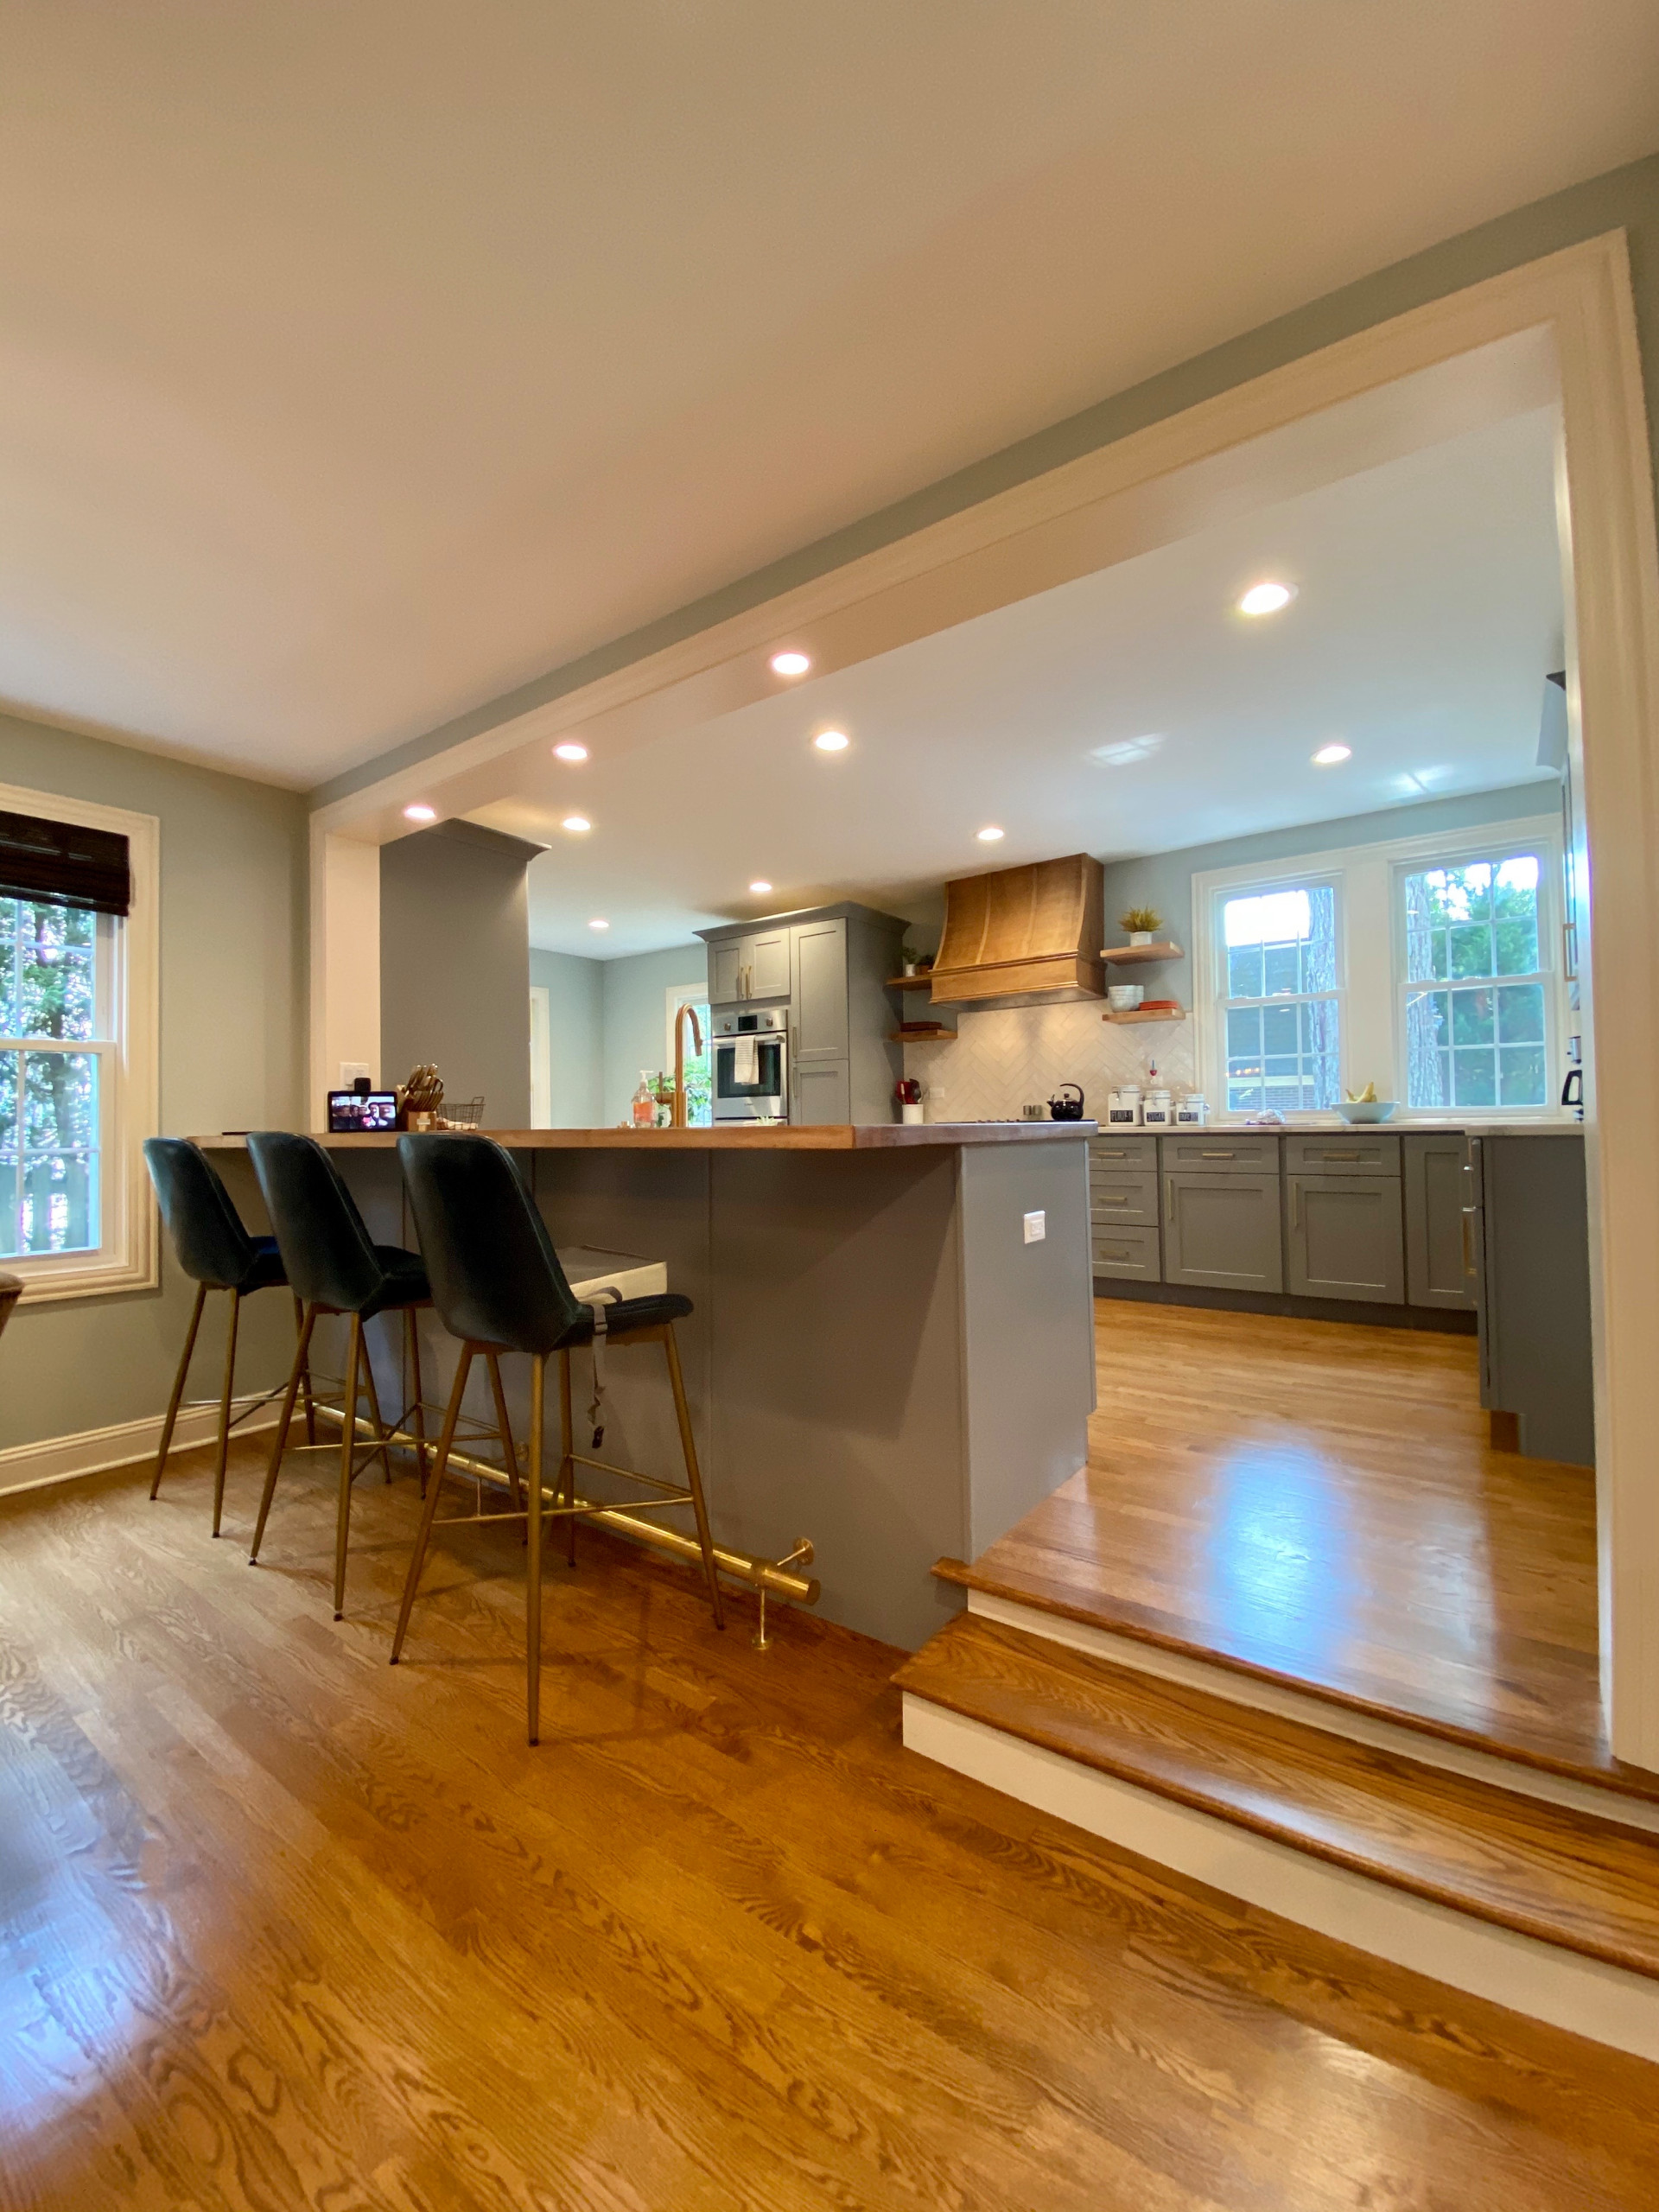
769, 1576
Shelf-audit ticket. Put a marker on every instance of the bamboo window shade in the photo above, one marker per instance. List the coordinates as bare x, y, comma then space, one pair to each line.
64, 864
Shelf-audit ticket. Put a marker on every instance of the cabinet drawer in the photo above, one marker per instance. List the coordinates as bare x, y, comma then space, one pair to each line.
1109, 1150
1220, 1151
1131, 1252
1348, 1152
1113, 1198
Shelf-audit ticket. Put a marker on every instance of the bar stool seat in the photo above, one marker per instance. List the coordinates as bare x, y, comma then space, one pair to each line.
215, 1250
498, 1285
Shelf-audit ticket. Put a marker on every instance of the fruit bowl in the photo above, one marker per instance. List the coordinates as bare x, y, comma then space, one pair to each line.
1367, 1110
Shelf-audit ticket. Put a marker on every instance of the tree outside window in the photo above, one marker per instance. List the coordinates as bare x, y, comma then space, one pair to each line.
1280, 1006
49, 1090
1477, 1036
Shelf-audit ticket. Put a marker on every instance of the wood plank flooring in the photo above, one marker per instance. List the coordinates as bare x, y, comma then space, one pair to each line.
1585, 1884
1318, 1500
285, 1926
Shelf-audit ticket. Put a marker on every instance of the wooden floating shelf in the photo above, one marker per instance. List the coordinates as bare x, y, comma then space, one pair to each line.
939, 1036
1148, 1014
1130, 955
910, 982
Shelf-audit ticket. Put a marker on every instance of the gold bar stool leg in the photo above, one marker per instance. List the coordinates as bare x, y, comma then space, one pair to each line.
505, 1427
446, 1437
566, 1492
175, 1401
301, 1371
375, 1421
694, 1475
418, 1423
225, 1410
299, 1333
533, 1589
348, 1452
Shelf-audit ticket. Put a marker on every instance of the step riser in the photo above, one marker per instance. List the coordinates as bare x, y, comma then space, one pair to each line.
1560, 1988
1332, 1719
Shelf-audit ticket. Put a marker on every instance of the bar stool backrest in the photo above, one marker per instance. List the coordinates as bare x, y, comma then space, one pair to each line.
328, 1256
207, 1231
496, 1278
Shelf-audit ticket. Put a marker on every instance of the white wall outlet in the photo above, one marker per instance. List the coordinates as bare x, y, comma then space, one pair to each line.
1036, 1228
350, 1070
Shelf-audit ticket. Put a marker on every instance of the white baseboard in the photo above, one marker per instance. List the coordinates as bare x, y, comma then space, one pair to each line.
1568, 1990
67, 1459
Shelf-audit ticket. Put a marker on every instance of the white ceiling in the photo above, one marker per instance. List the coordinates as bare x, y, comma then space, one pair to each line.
357, 363
1130, 711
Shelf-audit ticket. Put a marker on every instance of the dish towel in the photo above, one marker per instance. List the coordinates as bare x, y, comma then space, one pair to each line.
746, 1062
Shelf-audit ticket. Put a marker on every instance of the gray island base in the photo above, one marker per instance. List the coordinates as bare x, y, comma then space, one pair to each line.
879, 1359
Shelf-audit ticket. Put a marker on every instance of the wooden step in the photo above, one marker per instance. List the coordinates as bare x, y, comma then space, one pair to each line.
1585, 1884
1535, 1746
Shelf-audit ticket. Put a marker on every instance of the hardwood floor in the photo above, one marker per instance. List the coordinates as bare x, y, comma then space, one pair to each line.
284, 1927
1318, 1500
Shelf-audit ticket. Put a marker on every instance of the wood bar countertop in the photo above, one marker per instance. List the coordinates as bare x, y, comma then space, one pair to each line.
778, 1137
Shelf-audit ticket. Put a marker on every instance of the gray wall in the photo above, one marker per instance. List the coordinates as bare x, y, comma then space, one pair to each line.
454, 964
1164, 880
636, 1018
232, 1056
575, 1007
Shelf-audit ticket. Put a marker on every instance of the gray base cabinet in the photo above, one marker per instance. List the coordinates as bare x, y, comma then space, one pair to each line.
1221, 1231
822, 1092
1344, 1237
1439, 1256
1129, 1254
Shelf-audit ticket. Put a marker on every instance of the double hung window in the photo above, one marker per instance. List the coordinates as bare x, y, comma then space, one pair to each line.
1281, 1009
1476, 1011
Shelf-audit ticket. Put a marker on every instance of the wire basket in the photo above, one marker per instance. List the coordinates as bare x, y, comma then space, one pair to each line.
463, 1112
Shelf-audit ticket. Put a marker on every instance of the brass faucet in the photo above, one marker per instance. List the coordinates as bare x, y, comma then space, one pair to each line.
679, 1121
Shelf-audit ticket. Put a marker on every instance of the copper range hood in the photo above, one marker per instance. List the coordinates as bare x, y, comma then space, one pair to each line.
1023, 935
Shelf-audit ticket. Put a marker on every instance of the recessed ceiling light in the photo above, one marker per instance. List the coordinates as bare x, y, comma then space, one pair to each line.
1266, 599
790, 663
577, 824
419, 812
599, 925
758, 888
831, 741
1328, 756
571, 751
989, 835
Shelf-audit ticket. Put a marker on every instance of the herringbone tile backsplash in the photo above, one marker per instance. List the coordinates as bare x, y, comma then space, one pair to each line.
1019, 1056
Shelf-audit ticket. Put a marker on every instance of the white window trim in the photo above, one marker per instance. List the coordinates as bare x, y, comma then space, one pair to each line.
1369, 955
676, 995
129, 1256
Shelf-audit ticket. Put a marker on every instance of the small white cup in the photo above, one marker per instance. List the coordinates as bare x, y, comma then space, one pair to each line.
1123, 998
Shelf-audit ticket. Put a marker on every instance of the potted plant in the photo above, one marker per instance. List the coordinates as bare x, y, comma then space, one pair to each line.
1142, 923
908, 956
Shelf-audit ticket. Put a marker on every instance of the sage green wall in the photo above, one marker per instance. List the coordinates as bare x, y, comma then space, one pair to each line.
1625, 198
232, 1038
576, 1005
636, 1018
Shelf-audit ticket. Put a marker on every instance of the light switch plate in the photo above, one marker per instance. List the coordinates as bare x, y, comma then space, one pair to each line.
1036, 1228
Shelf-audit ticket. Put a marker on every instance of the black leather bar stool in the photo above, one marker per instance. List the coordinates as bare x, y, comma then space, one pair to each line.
217, 1252
335, 1267
498, 1286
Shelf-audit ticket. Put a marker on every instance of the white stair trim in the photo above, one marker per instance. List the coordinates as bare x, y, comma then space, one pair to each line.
1324, 1714
1561, 1987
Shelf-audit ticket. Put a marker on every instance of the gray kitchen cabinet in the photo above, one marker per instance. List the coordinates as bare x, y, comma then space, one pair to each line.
727, 964
1129, 1253
1221, 1230
1221, 1151
1531, 1224
819, 956
1343, 1152
823, 1091
1345, 1237
1111, 1152
1440, 1254
754, 966
1115, 1199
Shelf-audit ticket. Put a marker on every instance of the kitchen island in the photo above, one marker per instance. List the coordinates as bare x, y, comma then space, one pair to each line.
892, 1350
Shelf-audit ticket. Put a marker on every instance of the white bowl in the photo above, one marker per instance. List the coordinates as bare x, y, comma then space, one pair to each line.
1123, 998
1369, 1110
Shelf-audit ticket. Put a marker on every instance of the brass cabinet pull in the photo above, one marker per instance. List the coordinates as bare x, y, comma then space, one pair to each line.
1218, 1155
1113, 1197
1468, 1215
1169, 1202
1295, 1202
1328, 1154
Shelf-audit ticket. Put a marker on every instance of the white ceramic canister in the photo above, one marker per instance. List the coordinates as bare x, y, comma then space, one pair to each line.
1124, 1107
1192, 1111
1157, 1109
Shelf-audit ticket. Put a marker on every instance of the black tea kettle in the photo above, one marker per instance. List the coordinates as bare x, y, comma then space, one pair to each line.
1067, 1109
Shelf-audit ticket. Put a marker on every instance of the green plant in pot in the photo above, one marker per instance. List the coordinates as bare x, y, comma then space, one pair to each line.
1142, 923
